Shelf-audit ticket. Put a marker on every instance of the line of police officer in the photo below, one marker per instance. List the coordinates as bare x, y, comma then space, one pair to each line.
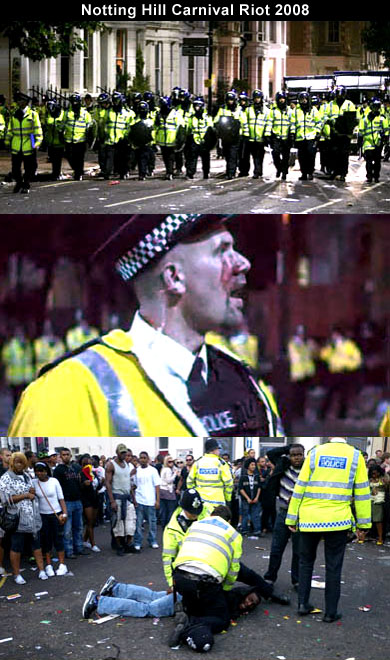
127, 135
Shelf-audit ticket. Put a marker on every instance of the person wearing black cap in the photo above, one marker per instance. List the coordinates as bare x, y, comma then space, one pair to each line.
160, 377
24, 137
212, 476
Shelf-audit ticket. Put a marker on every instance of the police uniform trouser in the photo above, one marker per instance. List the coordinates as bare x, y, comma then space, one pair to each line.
306, 156
196, 151
168, 156
55, 154
373, 162
143, 156
325, 160
179, 160
256, 150
340, 145
29, 163
75, 154
244, 156
230, 153
203, 601
340, 384
280, 154
335, 543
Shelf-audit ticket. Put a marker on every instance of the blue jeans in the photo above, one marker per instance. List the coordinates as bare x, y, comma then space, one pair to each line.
167, 507
73, 528
251, 512
280, 537
148, 512
132, 600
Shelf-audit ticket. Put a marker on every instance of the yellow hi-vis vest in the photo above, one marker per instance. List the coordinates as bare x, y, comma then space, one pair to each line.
300, 355
331, 476
24, 135
256, 123
212, 478
373, 131
77, 336
166, 128
46, 351
215, 543
18, 361
2, 126
116, 125
173, 538
344, 356
279, 123
238, 113
76, 127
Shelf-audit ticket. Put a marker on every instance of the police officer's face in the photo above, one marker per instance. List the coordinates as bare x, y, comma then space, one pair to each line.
214, 276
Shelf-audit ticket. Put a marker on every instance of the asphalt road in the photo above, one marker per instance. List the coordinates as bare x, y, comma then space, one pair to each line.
215, 195
52, 627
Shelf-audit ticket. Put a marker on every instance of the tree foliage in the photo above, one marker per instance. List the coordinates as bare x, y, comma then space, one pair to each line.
140, 82
39, 40
376, 38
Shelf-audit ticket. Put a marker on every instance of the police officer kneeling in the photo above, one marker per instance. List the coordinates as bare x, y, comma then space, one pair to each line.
331, 475
202, 572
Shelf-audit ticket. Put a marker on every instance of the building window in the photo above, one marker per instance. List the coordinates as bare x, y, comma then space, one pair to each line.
272, 31
171, 59
88, 62
236, 62
65, 71
246, 68
191, 73
120, 60
334, 32
163, 443
158, 67
261, 31
259, 72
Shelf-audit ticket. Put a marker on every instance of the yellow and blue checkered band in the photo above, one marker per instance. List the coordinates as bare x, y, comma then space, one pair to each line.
160, 240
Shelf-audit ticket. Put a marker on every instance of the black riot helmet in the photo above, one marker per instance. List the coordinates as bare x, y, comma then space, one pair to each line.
149, 98
103, 98
257, 96
165, 104
175, 96
54, 108
243, 99
304, 100
117, 99
75, 100
198, 104
231, 99
375, 105
281, 100
143, 109
340, 92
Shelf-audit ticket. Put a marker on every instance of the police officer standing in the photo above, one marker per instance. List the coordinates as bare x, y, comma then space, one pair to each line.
373, 130
200, 125
24, 137
78, 125
306, 128
167, 123
54, 138
332, 474
257, 117
212, 476
278, 133
231, 124
116, 124
341, 132
140, 134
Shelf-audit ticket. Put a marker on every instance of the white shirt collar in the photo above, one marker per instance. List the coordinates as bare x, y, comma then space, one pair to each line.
338, 440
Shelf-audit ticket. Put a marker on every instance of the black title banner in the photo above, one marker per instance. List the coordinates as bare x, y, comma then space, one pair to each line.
188, 10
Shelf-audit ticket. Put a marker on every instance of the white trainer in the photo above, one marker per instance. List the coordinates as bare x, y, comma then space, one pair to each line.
95, 548
20, 580
87, 544
49, 571
62, 569
42, 575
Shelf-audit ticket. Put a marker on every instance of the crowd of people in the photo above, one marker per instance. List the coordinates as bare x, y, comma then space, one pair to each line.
128, 130
54, 502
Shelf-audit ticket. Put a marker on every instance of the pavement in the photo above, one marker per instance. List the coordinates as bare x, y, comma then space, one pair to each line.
215, 195
51, 626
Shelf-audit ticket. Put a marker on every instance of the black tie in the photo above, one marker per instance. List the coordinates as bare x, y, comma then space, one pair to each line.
195, 384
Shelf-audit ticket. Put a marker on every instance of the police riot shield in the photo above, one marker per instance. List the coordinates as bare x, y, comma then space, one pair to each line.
210, 138
181, 135
346, 122
228, 129
140, 133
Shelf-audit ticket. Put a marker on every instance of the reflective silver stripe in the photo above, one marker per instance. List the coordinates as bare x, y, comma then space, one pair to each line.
298, 496
167, 562
312, 460
329, 484
207, 501
169, 552
197, 539
301, 483
120, 404
233, 536
220, 538
291, 516
362, 497
363, 521
328, 496
353, 469
363, 484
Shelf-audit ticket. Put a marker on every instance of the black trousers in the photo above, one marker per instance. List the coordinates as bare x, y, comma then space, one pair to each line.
335, 543
373, 162
306, 156
341, 385
280, 153
300, 388
75, 154
116, 158
144, 158
203, 602
280, 537
230, 154
256, 150
244, 156
168, 156
55, 154
196, 151
253, 579
325, 159
29, 163
340, 146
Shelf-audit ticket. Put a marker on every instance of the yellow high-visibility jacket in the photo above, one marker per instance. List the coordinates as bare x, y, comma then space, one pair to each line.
46, 351
24, 135
331, 476
77, 336
18, 360
212, 478
300, 355
173, 538
212, 541
343, 356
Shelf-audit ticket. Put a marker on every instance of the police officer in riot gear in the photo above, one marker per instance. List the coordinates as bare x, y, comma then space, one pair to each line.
54, 137
201, 138
230, 122
373, 129
278, 133
140, 136
257, 117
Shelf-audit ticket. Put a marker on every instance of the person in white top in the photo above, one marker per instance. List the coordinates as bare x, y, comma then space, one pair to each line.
168, 501
53, 512
147, 481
